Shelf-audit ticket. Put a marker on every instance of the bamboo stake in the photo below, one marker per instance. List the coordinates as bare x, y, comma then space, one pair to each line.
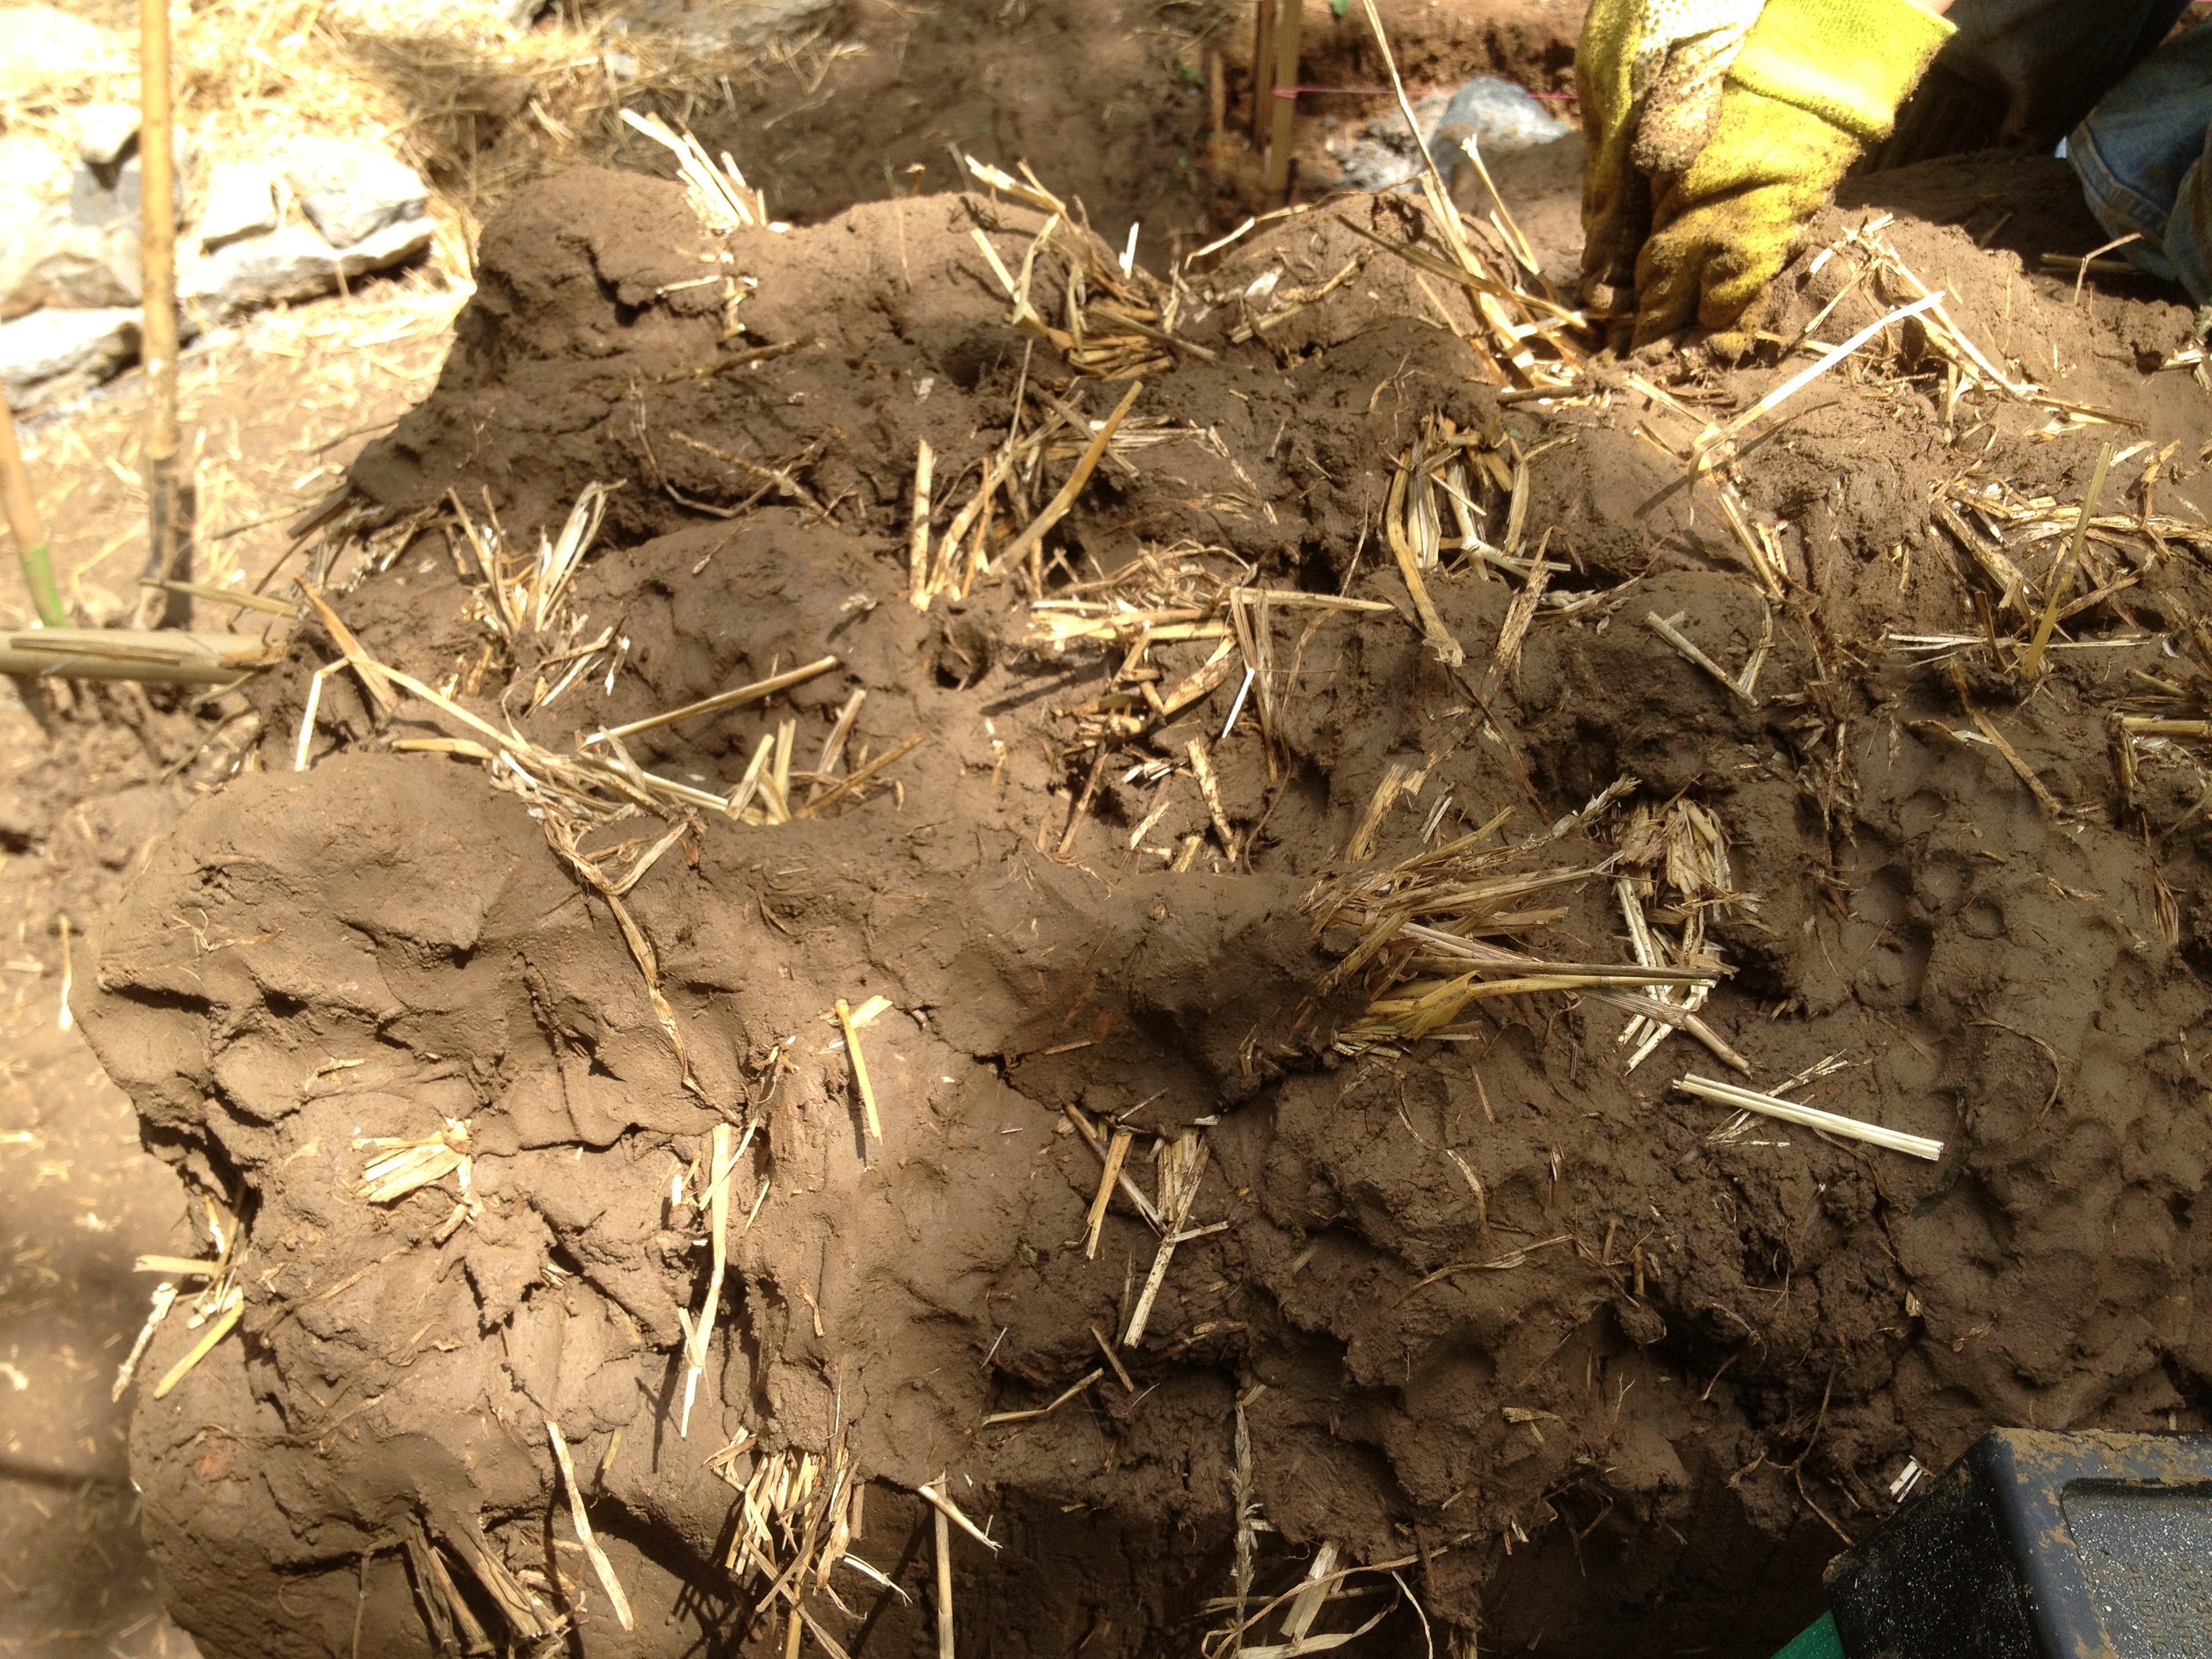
1263, 67
166, 657
945, 1646
169, 505
29, 532
1290, 16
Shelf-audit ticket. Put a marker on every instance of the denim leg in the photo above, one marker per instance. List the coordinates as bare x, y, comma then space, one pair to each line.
2144, 155
2020, 73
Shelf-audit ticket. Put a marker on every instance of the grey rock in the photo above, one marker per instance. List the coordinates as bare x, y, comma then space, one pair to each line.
81, 251
52, 355
417, 20
349, 191
1379, 154
241, 202
101, 132
292, 264
43, 45
709, 25
1502, 116
34, 177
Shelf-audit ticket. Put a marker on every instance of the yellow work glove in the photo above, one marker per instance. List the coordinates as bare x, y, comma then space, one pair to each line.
1648, 73
1732, 179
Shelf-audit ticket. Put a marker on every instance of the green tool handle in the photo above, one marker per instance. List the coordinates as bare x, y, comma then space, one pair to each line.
1817, 1640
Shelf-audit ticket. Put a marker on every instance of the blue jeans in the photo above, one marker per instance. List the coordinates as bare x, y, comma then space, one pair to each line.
2144, 155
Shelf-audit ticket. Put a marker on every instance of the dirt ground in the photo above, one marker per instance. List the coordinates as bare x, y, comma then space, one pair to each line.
92, 780
1584, 1358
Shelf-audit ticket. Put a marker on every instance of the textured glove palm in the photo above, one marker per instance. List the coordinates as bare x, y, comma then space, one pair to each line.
1813, 83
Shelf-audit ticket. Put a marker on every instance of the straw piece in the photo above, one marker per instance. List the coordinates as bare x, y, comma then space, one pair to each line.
364, 668
925, 462
2032, 662
1201, 766
233, 1305
1665, 627
859, 778
156, 656
945, 1647
164, 1298
950, 1511
2145, 726
859, 1069
1113, 1359
1716, 443
1448, 649
1056, 509
237, 595
996, 1418
1115, 1155
1129, 1188
30, 534
699, 1331
1810, 1117
743, 694
600, 1564
1182, 1171
2021, 769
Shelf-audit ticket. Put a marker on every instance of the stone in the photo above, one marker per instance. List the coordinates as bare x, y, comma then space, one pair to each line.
43, 47
81, 251
428, 19
52, 355
34, 176
292, 264
1502, 116
241, 202
349, 191
101, 132
710, 25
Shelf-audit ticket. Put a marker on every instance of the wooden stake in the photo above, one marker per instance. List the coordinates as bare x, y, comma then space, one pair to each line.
1289, 18
29, 532
945, 1649
168, 502
1263, 69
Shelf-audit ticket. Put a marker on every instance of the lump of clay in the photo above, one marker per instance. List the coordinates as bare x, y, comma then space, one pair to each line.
349, 191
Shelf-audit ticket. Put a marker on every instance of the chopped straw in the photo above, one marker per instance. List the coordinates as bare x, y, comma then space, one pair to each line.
600, 1564
1116, 1152
699, 1328
1065, 1394
850, 1027
1810, 1117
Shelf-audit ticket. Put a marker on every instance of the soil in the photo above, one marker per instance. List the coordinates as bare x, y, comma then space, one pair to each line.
90, 779
1698, 1359
1113, 104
